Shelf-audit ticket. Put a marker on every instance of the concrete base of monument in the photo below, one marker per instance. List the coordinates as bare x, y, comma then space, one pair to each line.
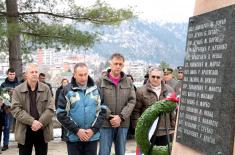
179, 149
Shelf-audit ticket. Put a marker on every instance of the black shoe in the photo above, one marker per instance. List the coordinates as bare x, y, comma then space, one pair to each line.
5, 147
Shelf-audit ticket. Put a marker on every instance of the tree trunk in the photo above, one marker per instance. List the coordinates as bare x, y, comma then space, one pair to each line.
15, 59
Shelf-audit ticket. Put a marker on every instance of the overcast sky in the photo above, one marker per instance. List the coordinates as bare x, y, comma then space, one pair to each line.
154, 10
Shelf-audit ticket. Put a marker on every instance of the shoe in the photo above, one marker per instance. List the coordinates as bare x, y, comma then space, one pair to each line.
5, 147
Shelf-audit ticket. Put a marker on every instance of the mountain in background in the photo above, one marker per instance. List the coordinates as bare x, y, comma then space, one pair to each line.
152, 42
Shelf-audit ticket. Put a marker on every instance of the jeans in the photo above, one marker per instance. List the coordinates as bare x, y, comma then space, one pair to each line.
7, 126
82, 148
116, 135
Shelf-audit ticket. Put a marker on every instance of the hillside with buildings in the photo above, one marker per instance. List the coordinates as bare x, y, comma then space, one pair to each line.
142, 43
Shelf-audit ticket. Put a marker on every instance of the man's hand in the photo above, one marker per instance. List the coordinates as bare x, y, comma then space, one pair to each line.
36, 125
115, 121
89, 133
82, 135
7, 109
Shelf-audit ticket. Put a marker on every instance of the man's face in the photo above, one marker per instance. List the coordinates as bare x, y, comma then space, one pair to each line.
116, 65
167, 76
32, 74
42, 78
11, 76
155, 78
81, 75
64, 82
25, 76
180, 75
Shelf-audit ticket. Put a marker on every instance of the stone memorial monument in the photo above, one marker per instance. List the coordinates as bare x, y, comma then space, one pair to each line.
206, 117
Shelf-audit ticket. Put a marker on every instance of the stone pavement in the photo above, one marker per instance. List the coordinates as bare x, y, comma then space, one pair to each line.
58, 147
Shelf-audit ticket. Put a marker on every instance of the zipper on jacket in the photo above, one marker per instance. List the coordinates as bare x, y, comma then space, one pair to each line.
84, 96
116, 90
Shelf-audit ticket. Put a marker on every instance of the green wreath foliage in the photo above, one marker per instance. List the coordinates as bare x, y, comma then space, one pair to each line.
145, 122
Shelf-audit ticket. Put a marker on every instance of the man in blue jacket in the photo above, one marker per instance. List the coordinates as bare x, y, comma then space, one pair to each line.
81, 113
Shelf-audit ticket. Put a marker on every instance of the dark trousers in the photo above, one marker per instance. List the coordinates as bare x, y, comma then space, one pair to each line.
0, 134
82, 148
35, 139
162, 140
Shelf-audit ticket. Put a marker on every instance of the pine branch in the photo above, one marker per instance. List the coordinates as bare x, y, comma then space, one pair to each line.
26, 24
96, 21
40, 35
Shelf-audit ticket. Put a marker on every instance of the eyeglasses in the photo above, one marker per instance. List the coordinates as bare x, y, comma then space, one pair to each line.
157, 77
180, 72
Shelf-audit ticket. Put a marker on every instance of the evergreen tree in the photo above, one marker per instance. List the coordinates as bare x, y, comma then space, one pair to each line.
26, 25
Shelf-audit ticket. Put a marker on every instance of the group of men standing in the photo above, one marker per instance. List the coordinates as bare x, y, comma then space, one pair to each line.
100, 111
90, 111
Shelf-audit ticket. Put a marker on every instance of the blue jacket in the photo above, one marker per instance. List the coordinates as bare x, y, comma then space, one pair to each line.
78, 108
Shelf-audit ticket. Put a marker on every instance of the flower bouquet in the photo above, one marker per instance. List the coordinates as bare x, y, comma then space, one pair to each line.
5, 96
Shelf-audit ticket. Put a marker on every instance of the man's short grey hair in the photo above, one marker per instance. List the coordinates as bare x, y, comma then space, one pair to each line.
80, 64
31, 65
155, 69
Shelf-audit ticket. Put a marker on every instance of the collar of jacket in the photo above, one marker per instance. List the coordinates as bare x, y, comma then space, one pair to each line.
24, 88
90, 82
163, 88
106, 77
90, 85
10, 82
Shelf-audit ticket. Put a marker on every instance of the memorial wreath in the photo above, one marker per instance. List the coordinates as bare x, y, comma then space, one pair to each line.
146, 120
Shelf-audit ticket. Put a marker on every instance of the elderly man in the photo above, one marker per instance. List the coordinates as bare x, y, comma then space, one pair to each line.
33, 108
154, 90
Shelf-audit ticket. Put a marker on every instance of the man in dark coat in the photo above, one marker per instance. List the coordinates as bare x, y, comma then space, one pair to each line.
155, 90
10, 83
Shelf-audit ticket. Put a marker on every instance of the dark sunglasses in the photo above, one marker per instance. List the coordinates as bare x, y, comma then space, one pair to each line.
180, 72
157, 77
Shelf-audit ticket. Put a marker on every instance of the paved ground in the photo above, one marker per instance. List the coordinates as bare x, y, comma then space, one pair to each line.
58, 147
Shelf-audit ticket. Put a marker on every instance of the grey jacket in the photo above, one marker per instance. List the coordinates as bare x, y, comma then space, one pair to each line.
21, 111
119, 99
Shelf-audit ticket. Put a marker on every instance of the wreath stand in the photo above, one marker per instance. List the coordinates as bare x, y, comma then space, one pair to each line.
155, 136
